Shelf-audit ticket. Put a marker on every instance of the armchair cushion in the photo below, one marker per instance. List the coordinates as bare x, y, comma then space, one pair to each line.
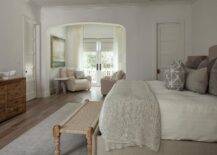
78, 84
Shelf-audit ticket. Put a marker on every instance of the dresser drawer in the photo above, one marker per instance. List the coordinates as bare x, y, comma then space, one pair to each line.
16, 90
3, 98
16, 107
12, 97
2, 116
18, 102
3, 89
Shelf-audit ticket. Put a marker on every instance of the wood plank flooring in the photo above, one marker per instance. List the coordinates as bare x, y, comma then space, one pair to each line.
38, 110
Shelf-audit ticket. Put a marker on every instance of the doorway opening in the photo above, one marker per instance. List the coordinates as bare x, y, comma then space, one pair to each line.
97, 49
30, 45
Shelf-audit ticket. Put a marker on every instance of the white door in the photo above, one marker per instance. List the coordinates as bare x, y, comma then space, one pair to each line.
29, 58
98, 59
170, 45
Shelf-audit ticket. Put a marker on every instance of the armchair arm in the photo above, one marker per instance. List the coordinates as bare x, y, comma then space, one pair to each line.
70, 83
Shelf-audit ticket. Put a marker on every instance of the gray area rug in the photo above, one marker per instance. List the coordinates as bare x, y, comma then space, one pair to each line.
39, 139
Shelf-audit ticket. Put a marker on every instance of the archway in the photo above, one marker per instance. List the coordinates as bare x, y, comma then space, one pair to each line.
98, 49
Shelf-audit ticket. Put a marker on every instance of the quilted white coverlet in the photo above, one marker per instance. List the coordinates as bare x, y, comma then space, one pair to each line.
186, 115
130, 116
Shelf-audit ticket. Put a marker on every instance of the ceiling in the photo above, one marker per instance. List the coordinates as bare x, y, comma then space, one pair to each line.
89, 2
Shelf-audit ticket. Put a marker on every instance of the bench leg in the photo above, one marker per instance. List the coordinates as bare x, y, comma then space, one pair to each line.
56, 135
89, 140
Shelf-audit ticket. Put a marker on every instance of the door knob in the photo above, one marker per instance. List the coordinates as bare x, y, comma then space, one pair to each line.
158, 71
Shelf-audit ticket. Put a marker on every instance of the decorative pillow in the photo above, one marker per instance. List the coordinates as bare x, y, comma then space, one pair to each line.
119, 75
203, 64
175, 76
79, 75
70, 73
114, 76
197, 80
213, 80
194, 61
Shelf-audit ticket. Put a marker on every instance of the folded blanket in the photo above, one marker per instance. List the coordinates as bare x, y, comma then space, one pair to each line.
130, 116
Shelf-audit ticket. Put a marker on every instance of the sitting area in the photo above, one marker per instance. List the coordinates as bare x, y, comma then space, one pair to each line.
107, 82
76, 80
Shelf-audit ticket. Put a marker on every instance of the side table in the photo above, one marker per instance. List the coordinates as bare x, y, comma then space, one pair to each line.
61, 84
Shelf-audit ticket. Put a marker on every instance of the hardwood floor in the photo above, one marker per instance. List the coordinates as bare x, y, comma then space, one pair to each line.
38, 110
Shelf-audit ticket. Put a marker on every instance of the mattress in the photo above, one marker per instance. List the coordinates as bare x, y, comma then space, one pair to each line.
186, 115
168, 147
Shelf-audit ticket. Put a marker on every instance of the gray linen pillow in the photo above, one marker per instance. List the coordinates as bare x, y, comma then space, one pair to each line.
175, 76
213, 80
79, 75
197, 80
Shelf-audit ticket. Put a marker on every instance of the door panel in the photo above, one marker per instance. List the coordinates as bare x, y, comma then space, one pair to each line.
107, 63
170, 45
90, 65
99, 63
29, 58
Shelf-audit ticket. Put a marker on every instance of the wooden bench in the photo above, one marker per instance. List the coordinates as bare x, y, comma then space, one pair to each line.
83, 121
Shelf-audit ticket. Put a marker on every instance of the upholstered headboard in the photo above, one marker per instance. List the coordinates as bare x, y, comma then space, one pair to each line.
194, 61
213, 52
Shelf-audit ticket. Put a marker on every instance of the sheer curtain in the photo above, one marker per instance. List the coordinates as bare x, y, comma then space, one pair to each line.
74, 46
119, 50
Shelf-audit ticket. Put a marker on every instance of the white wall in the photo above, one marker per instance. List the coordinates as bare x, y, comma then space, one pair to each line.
12, 13
54, 72
204, 26
98, 31
140, 23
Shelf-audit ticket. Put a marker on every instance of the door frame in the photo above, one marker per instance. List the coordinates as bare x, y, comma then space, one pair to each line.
156, 23
36, 51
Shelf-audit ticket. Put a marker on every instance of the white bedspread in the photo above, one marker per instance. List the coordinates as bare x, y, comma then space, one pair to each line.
130, 116
186, 115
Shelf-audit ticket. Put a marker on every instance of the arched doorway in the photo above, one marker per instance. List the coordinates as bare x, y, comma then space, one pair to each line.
98, 49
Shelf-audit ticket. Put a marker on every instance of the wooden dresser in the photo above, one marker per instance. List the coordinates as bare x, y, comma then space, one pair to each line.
12, 97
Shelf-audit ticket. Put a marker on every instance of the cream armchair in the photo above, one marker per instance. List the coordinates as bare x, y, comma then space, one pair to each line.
77, 81
107, 82
74, 84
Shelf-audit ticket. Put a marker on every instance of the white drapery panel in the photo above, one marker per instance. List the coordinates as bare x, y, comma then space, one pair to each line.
119, 48
74, 46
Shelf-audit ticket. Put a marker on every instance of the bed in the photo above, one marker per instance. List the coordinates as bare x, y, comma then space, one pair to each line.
190, 129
